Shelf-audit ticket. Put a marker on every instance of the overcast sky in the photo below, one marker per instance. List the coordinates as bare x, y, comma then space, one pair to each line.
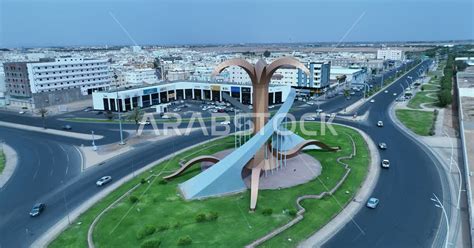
100, 22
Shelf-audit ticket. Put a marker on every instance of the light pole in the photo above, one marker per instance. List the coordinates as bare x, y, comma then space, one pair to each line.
65, 204
438, 204
94, 147
119, 110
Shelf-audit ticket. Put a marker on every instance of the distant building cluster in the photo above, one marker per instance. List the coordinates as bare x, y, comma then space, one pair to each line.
48, 77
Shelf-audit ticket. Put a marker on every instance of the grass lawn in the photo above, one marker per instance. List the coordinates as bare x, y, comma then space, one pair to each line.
420, 98
418, 121
161, 206
430, 87
2, 161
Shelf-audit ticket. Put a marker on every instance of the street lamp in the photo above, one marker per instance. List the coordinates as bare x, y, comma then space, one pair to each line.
438, 204
94, 147
119, 110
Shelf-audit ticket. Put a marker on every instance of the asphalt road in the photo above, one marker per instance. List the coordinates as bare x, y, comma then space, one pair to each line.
402, 189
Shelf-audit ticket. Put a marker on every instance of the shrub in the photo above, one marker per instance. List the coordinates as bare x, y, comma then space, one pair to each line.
292, 212
212, 216
162, 182
143, 181
152, 243
177, 225
200, 218
146, 231
267, 211
133, 199
163, 227
186, 240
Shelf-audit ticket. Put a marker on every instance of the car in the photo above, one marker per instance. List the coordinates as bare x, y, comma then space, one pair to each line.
380, 124
372, 100
319, 111
66, 127
385, 163
310, 103
21, 112
147, 122
309, 119
103, 180
382, 146
386, 91
37, 209
225, 122
372, 202
165, 117
352, 93
394, 94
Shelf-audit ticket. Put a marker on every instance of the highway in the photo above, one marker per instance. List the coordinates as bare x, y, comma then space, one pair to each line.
404, 190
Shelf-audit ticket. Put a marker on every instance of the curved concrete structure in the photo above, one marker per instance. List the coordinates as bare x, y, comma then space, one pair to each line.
187, 165
295, 150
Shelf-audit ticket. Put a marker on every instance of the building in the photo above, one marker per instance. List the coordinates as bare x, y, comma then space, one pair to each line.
390, 54
54, 81
141, 76
320, 74
352, 76
146, 96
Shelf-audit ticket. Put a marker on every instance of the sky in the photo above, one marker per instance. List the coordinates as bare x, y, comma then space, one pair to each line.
36, 23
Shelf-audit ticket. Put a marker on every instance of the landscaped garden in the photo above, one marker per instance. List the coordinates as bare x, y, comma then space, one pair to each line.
420, 122
155, 214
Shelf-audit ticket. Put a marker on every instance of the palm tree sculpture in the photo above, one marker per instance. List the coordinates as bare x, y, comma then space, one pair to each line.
260, 75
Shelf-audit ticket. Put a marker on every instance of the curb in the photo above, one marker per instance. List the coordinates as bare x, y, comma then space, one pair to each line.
340, 220
53, 232
11, 161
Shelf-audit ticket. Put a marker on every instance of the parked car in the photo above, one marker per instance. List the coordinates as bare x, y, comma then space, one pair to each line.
385, 163
103, 180
225, 122
147, 122
382, 146
372, 202
380, 124
37, 209
66, 127
372, 100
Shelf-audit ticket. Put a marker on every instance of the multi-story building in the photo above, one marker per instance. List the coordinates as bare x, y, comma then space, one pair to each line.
17, 83
141, 76
390, 54
319, 75
69, 73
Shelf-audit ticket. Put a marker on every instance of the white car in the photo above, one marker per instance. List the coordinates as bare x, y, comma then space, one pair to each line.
310, 103
309, 119
319, 111
382, 146
103, 180
394, 94
372, 202
21, 112
372, 100
225, 122
380, 124
385, 163
386, 91
166, 117
147, 122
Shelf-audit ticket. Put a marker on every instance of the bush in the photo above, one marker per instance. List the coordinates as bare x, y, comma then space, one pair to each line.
186, 240
152, 243
267, 211
146, 231
163, 227
292, 212
200, 218
162, 182
177, 225
213, 216
143, 181
133, 199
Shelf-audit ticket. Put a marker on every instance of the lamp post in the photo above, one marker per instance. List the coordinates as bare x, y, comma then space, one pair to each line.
438, 204
94, 147
119, 110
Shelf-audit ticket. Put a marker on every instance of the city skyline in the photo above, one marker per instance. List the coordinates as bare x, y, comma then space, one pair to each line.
76, 23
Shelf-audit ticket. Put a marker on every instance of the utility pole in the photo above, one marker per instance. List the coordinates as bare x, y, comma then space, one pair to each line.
119, 110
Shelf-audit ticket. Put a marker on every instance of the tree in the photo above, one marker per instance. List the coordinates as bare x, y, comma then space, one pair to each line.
136, 116
266, 54
43, 112
347, 93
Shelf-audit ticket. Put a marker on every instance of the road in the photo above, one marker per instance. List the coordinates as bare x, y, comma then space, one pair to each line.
409, 180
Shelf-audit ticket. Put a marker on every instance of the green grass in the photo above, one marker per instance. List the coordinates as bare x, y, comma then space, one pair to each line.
161, 204
2, 161
420, 122
420, 98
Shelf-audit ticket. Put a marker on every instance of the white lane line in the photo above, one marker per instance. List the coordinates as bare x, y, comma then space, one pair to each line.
67, 169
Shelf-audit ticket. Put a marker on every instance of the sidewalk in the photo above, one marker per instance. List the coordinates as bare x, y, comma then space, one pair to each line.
11, 160
346, 215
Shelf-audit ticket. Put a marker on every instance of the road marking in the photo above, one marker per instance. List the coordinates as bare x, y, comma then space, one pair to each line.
51, 172
67, 169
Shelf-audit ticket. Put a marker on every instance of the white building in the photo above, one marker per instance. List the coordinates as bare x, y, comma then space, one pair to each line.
141, 76
390, 54
353, 76
68, 73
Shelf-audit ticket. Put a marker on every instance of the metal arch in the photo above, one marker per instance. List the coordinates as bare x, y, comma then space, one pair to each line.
276, 64
244, 64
